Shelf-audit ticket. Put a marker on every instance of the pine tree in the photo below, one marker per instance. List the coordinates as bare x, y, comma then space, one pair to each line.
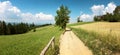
0, 28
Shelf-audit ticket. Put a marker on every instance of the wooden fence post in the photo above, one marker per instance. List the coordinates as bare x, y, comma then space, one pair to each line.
51, 42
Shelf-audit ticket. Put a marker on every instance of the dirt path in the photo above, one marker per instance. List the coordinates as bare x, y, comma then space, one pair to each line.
70, 44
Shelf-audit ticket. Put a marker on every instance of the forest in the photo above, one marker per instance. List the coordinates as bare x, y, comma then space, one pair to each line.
17, 28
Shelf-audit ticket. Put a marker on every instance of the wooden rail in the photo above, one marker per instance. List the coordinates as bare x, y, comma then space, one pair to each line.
51, 42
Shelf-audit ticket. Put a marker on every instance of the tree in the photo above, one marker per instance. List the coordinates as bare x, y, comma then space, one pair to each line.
78, 19
33, 27
4, 28
117, 13
10, 28
62, 17
0, 28
95, 18
15, 28
117, 10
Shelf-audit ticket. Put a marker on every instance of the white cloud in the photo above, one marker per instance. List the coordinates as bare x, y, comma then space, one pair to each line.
10, 13
86, 17
98, 10
110, 7
28, 17
43, 16
101, 9
14, 9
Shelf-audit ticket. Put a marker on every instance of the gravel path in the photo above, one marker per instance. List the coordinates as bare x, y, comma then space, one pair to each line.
70, 44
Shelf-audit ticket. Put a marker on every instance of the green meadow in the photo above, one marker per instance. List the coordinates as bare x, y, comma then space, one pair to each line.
30, 43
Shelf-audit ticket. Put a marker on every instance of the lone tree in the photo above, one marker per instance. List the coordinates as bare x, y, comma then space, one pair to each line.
62, 17
78, 19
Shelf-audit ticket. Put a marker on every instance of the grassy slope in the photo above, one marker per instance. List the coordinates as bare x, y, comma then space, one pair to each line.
100, 45
30, 43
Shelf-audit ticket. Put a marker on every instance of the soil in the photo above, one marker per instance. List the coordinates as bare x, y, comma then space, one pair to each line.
70, 44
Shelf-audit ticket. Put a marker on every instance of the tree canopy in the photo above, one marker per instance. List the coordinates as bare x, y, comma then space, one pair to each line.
78, 19
62, 17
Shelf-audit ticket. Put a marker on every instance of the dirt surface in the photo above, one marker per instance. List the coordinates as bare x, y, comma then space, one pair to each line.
70, 44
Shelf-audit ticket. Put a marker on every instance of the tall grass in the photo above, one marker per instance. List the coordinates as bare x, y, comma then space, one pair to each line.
103, 28
30, 43
99, 44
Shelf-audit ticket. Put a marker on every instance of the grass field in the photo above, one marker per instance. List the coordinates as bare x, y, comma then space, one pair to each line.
101, 37
30, 43
103, 28
80, 23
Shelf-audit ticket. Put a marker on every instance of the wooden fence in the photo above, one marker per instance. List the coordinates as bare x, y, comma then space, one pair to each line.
51, 42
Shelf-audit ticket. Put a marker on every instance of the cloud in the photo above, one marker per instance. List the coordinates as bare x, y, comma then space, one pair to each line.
45, 16
101, 9
10, 13
39, 17
98, 10
86, 17
110, 7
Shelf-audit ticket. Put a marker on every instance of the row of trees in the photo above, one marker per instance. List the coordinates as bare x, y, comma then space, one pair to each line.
115, 17
12, 28
17, 28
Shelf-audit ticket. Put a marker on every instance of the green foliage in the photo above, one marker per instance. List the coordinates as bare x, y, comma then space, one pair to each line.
3, 28
7, 29
78, 19
117, 10
31, 43
62, 16
96, 18
117, 13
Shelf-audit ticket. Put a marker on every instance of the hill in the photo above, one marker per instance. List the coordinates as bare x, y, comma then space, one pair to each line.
30, 43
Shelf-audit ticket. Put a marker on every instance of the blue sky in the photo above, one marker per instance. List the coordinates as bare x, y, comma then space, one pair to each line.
85, 9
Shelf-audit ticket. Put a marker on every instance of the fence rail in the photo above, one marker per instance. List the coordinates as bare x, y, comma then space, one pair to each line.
51, 42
